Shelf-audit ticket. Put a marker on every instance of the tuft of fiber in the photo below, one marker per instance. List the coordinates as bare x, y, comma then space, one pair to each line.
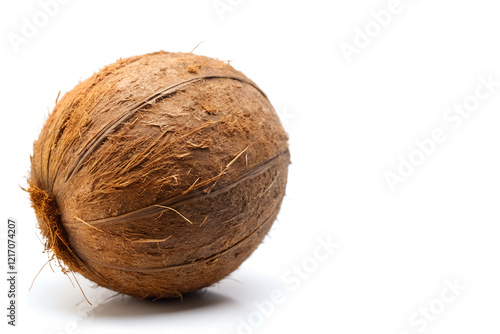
159, 175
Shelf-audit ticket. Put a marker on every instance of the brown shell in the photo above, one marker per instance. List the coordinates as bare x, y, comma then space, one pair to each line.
160, 174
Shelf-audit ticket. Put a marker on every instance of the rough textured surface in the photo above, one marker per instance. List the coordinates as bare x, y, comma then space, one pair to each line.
160, 174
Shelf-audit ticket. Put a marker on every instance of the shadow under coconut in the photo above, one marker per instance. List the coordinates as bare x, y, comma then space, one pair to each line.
126, 306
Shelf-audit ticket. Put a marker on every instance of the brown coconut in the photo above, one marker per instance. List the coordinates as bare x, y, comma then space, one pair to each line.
159, 175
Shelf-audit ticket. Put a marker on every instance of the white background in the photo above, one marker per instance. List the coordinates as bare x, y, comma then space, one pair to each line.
349, 124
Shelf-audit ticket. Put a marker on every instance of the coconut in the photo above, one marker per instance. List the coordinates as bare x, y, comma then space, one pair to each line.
159, 175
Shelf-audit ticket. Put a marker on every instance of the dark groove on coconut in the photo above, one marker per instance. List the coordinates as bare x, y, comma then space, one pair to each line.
197, 193
197, 261
163, 93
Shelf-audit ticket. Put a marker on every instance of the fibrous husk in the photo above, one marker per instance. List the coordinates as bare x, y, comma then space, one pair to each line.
160, 174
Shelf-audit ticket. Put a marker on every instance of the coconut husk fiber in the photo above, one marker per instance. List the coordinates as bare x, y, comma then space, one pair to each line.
159, 175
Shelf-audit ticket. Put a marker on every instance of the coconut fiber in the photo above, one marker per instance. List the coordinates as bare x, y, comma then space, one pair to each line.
159, 175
